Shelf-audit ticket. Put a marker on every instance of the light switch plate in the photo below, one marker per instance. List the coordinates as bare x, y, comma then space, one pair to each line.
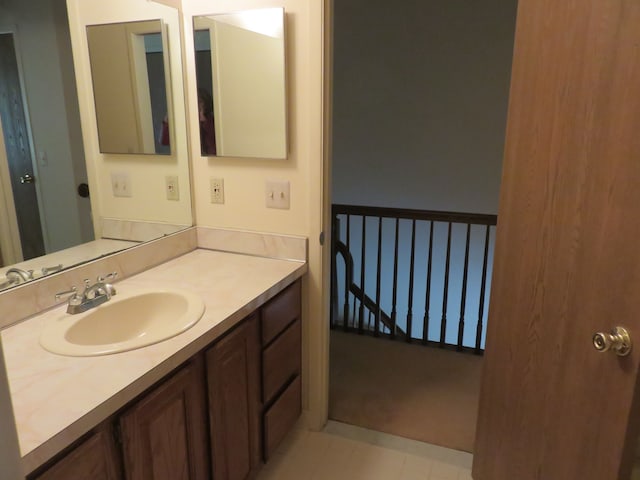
121, 184
278, 194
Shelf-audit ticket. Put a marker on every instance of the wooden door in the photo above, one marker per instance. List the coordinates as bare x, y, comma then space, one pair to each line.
233, 369
164, 435
17, 144
567, 258
95, 458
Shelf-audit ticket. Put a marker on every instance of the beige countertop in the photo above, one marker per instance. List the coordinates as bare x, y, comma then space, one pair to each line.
56, 399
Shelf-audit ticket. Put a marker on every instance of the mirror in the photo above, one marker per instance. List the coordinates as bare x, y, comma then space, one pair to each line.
240, 74
130, 80
45, 127
42, 163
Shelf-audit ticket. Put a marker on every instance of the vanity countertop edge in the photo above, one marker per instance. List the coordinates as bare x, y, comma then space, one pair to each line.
57, 399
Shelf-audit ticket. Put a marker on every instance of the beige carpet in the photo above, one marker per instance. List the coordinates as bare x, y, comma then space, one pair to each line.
421, 393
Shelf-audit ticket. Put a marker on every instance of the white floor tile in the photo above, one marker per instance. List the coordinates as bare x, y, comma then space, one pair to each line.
445, 471
416, 467
358, 454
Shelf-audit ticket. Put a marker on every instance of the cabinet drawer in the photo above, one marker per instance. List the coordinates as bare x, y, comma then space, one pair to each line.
280, 312
282, 415
281, 361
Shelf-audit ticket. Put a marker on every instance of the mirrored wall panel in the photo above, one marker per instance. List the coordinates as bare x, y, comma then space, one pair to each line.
240, 70
44, 202
129, 69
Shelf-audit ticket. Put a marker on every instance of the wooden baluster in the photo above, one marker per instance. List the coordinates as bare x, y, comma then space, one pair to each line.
395, 282
378, 278
482, 291
347, 278
427, 295
463, 299
445, 294
362, 274
411, 275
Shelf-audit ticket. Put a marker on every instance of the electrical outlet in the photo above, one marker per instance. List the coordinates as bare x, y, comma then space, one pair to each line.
217, 190
277, 194
121, 185
172, 187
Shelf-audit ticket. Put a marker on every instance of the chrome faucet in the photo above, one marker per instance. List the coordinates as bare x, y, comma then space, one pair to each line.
92, 296
18, 275
99, 289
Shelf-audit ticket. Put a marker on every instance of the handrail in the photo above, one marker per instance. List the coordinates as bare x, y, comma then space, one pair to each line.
370, 304
412, 214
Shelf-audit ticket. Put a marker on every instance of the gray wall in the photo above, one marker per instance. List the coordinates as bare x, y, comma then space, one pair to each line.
420, 101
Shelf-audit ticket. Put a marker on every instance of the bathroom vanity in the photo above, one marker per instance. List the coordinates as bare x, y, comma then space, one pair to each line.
215, 400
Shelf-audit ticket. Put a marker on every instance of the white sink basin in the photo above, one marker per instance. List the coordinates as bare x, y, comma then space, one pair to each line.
126, 322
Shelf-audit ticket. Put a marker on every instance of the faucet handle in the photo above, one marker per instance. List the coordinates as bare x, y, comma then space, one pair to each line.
48, 270
72, 292
108, 276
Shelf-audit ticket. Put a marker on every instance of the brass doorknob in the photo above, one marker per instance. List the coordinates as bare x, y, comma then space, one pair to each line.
618, 341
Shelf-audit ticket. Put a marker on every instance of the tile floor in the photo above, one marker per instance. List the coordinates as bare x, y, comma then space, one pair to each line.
345, 452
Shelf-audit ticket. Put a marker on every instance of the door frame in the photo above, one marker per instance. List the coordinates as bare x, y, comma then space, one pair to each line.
10, 248
14, 31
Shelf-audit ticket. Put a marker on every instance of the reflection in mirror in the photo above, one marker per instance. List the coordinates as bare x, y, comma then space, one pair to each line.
129, 70
43, 208
40, 131
240, 71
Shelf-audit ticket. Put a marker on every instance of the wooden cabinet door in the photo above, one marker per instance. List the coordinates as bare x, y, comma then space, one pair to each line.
95, 458
164, 434
233, 369
567, 262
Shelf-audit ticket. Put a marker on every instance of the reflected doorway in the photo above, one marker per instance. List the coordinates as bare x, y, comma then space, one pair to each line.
17, 139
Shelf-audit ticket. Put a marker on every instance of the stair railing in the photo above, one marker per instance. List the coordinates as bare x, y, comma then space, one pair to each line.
456, 245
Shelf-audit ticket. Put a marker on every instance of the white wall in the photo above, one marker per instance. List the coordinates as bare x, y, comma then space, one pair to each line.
72, 112
147, 172
420, 102
40, 29
244, 179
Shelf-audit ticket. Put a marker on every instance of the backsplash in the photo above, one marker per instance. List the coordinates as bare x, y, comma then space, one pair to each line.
137, 231
31, 298
23, 301
283, 247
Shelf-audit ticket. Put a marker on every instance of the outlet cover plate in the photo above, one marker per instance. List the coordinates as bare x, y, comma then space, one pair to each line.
171, 187
217, 190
